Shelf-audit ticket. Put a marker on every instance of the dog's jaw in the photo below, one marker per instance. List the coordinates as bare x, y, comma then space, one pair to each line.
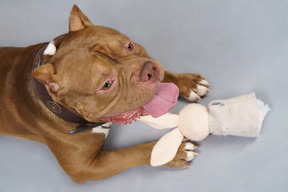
162, 102
125, 118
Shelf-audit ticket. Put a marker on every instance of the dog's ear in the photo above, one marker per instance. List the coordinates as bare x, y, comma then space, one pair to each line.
78, 20
46, 75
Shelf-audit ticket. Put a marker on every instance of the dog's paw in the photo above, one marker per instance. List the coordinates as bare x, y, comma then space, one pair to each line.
192, 86
185, 154
200, 90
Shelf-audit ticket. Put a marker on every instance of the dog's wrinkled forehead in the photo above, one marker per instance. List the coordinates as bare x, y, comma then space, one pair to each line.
96, 39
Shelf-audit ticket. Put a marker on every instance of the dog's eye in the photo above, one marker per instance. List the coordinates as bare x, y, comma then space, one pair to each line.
130, 46
107, 85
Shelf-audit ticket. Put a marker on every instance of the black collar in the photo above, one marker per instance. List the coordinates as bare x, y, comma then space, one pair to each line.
56, 108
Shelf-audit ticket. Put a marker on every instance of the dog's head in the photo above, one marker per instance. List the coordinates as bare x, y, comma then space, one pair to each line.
97, 72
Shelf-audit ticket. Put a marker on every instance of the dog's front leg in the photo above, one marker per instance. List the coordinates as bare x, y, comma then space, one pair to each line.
191, 86
82, 157
109, 163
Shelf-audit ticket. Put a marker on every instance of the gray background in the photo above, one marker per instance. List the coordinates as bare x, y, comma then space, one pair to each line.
241, 46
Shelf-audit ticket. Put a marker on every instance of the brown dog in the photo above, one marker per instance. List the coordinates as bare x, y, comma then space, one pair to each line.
91, 74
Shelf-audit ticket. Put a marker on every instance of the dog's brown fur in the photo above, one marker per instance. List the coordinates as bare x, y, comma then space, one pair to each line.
86, 58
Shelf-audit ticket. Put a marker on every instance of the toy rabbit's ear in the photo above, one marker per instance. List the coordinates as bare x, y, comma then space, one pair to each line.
166, 148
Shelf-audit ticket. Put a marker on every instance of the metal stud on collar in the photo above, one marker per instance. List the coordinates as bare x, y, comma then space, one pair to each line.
54, 107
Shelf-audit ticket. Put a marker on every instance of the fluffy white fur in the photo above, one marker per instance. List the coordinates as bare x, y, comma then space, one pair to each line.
51, 49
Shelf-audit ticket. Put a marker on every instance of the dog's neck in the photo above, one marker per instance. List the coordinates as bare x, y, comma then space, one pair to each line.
56, 108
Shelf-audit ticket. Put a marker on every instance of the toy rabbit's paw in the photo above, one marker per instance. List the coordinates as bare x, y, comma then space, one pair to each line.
185, 154
192, 86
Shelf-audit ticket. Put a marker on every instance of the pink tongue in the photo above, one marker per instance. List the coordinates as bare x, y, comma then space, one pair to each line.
163, 101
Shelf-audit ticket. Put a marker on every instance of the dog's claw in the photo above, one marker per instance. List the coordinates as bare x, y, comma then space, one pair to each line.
187, 164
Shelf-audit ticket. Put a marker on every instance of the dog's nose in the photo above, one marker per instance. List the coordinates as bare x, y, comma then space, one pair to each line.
150, 72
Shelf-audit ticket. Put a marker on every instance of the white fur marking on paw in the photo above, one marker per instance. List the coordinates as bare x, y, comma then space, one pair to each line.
190, 156
193, 96
189, 146
51, 49
202, 90
205, 83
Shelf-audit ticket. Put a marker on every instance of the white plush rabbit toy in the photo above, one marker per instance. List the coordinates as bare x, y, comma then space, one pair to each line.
238, 116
